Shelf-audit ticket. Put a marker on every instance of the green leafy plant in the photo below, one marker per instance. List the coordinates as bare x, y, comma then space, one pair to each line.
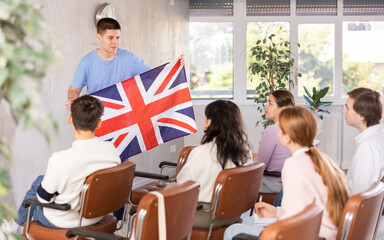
272, 67
25, 57
314, 103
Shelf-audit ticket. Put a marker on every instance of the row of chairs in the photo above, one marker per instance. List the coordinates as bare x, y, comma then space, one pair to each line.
359, 220
107, 190
237, 182
231, 198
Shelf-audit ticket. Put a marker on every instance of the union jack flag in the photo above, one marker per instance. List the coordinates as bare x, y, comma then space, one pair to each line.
146, 110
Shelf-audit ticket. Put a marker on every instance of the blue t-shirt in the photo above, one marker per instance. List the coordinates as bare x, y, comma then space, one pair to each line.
97, 73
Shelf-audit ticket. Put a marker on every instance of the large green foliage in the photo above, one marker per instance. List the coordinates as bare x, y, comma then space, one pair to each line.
25, 57
271, 66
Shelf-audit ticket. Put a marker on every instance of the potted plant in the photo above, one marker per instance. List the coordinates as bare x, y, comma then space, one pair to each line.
272, 66
314, 103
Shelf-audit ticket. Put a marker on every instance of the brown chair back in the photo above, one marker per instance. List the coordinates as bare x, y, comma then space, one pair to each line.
239, 190
183, 156
303, 226
180, 206
361, 214
235, 192
104, 191
108, 189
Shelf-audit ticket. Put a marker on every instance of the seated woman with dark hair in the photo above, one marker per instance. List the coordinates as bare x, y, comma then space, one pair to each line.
270, 152
224, 145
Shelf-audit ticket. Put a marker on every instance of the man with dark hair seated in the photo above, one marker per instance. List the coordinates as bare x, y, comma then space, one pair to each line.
364, 110
68, 169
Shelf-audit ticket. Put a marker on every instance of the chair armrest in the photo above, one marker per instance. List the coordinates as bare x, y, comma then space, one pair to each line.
245, 236
35, 202
82, 232
272, 173
168, 164
151, 175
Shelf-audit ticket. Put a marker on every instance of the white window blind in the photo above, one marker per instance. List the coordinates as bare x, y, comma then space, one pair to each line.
268, 8
316, 7
363, 7
213, 8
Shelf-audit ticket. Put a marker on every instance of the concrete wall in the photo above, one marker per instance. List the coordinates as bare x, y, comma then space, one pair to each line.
153, 29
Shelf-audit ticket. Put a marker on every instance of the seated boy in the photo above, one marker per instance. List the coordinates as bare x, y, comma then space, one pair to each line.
68, 169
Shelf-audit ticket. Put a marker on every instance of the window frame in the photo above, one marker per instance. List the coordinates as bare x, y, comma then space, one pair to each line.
240, 21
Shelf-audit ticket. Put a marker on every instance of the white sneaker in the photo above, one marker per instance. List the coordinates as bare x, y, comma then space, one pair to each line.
9, 227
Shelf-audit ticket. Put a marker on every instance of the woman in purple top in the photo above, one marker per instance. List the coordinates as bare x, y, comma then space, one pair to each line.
271, 153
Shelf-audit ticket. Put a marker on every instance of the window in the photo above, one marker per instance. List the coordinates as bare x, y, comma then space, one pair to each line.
211, 72
316, 56
340, 44
363, 58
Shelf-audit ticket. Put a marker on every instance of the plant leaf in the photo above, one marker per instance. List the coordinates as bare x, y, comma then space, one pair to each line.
307, 92
324, 104
319, 115
308, 101
324, 111
314, 92
323, 92
3, 190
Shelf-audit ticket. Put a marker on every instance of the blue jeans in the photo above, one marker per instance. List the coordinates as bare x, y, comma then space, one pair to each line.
36, 211
119, 214
277, 202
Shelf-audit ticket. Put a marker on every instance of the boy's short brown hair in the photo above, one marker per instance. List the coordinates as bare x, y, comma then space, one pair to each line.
368, 103
86, 112
105, 24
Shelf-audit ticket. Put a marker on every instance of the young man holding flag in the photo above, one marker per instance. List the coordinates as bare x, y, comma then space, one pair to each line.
108, 64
